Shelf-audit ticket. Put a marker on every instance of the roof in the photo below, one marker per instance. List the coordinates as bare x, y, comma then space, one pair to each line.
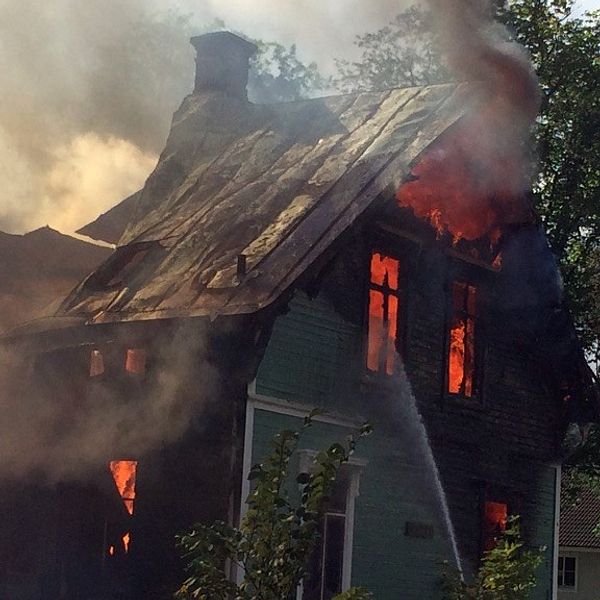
38, 269
109, 226
274, 183
579, 522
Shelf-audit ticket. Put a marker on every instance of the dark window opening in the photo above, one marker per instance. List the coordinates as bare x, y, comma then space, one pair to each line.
461, 346
384, 302
326, 568
567, 571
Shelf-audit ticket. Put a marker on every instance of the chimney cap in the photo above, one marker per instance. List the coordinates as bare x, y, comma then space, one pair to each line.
224, 39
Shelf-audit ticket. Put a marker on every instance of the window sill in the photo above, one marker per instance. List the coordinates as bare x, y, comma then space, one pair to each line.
474, 403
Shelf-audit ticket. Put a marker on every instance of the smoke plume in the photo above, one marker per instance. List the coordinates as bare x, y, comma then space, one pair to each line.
83, 81
476, 179
54, 428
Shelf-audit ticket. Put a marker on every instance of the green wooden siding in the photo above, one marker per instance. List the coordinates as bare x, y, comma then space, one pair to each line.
312, 356
315, 358
385, 560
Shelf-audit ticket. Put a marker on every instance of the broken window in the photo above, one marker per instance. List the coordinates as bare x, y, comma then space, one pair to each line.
384, 300
495, 516
567, 572
461, 348
124, 473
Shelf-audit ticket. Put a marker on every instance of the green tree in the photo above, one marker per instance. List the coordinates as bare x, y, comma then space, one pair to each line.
566, 54
507, 571
276, 538
278, 75
404, 53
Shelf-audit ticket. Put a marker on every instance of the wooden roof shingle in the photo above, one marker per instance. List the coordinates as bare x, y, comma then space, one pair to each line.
274, 183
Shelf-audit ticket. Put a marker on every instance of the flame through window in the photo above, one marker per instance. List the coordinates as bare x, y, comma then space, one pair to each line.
124, 473
461, 351
495, 516
383, 313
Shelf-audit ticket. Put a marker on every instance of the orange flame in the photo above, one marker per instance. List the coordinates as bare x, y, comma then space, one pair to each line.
461, 359
495, 519
124, 473
383, 314
96, 363
471, 182
135, 361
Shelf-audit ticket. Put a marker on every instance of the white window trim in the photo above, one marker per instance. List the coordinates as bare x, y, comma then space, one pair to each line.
277, 405
569, 588
555, 546
355, 466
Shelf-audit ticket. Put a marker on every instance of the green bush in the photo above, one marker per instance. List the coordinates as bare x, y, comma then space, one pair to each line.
274, 542
507, 571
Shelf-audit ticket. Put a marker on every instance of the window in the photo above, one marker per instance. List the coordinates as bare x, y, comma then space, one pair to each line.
327, 565
124, 473
495, 515
383, 314
567, 572
96, 363
135, 361
330, 565
461, 346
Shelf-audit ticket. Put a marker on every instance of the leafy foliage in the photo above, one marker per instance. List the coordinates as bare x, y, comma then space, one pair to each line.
565, 52
507, 571
278, 75
275, 539
403, 53
582, 470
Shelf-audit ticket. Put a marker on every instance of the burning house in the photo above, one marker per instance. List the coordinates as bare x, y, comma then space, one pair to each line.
283, 257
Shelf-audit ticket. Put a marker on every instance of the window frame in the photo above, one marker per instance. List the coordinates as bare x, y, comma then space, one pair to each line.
563, 587
490, 492
354, 469
387, 250
489, 499
477, 398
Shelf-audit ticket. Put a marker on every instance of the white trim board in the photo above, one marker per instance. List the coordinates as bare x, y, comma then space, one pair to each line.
581, 549
555, 549
285, 407
300, 410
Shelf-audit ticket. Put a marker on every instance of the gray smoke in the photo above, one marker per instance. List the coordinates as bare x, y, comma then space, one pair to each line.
54, 428
88, 89
479, 49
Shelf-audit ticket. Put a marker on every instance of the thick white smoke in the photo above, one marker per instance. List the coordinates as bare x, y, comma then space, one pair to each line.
83, 80
61, 430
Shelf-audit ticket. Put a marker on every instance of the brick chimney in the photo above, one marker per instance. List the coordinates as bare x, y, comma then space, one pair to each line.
222, 63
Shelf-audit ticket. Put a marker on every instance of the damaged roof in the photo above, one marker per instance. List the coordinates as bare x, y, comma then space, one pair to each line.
245, 197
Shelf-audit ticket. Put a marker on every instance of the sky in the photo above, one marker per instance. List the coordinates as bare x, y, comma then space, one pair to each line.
89, 88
